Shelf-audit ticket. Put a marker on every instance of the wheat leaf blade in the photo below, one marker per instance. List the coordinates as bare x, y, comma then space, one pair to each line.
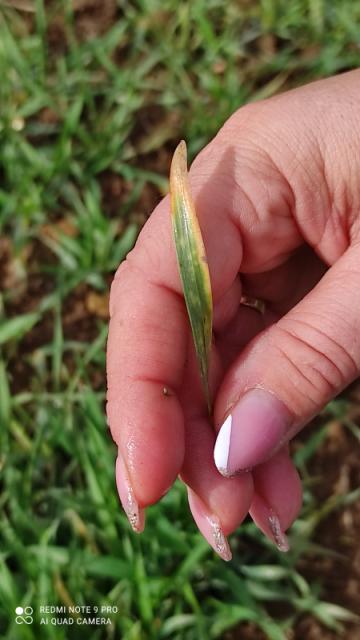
192, 262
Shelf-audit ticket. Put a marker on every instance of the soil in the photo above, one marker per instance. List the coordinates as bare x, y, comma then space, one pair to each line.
336, 465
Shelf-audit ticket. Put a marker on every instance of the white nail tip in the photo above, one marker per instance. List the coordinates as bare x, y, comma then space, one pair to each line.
222, 447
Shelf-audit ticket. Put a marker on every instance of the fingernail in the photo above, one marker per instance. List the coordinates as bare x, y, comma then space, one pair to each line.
209, 525
134, 513
251, 432
266, 518
279, 535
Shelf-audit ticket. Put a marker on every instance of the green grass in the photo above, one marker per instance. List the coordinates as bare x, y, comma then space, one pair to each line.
71, 113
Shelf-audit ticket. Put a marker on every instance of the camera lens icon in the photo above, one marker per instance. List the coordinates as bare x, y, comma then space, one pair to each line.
24, 615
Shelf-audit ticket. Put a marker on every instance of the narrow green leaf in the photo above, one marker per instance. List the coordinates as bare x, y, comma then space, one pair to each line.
107, 567
329, 610
144, 596
15, 328
266, 572
5, 400
178, 622
192, 262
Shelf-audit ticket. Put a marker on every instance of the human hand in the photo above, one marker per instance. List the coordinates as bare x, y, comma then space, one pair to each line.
277, 193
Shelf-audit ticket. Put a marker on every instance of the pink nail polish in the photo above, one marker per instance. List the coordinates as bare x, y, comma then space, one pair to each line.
134, 513
251, 433
209, 525
266, 518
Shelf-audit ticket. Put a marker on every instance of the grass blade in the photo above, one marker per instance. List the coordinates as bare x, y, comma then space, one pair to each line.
192, 261
15, 328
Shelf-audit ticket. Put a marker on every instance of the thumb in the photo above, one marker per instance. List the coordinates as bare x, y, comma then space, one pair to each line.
291, 370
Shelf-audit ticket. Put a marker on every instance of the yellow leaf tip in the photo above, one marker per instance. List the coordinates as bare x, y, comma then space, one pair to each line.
181, 150
178, 171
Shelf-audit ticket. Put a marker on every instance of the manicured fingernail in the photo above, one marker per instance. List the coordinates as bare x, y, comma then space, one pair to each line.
268, 521
209, 525
251, 432
280, 537
135, 514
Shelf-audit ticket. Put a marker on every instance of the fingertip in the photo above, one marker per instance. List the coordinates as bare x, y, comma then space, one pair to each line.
148, 429
252, 431
277, 497
209, 525
268, 521
134, 513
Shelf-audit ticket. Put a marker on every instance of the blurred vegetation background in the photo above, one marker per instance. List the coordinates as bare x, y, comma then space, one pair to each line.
94, 96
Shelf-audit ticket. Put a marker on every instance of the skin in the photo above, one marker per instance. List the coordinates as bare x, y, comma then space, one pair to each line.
277, 193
